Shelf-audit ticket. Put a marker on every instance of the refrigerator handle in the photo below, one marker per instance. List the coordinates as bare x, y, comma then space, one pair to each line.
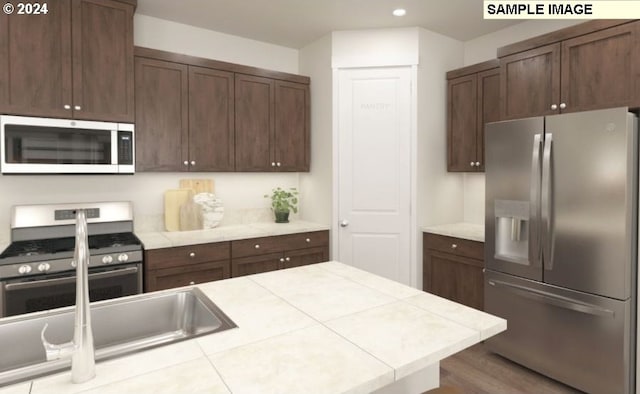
554, 299
534, 208
546, 202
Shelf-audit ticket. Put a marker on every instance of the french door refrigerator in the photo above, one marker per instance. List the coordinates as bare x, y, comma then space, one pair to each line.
561, 245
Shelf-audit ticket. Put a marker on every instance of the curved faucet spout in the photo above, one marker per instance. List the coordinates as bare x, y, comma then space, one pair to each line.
81, 349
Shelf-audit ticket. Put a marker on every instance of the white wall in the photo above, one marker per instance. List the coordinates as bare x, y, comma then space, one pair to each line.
481, 49
242, 193
375, 48
316, 186
170, 36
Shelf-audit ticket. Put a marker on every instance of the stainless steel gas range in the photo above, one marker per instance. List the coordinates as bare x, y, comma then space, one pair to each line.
37, 268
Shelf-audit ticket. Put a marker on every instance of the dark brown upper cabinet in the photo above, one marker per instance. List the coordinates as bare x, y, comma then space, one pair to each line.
583, 67
162, 115
472, 100
272, 125
195, 114
74, 62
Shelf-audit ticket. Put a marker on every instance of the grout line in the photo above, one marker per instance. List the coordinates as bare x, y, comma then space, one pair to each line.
219, 374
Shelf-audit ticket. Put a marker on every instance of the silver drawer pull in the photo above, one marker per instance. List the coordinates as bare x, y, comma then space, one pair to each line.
257, 246
192, 254
281, 260
308, 240
287, 259
454, 246
192, 283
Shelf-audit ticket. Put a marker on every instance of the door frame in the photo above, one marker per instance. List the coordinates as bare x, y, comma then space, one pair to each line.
415, 240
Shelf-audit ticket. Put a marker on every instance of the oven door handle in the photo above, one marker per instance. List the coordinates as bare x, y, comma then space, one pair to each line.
72, 279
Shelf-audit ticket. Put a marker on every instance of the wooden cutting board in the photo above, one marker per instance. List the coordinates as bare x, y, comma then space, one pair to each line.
173, 200
190, 215
197, 185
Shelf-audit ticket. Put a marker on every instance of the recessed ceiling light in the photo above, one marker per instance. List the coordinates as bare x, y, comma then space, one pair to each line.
399, 12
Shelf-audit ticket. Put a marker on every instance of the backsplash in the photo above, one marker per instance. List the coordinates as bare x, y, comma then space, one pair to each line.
241, 193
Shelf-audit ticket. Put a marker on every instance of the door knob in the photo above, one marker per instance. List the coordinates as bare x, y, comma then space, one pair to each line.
344, 223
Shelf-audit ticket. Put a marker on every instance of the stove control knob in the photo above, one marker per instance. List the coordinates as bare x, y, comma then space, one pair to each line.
44, 267
107, 259
123, 257
24, 269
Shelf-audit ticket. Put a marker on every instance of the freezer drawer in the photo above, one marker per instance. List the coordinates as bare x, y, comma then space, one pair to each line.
580, 339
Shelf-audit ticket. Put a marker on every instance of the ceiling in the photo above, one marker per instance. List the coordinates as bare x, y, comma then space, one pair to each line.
296, 23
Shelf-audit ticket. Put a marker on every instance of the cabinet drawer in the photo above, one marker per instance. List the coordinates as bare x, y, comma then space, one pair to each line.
186, 255
168, 278
276, 244
457, 246
256, 264
306, 240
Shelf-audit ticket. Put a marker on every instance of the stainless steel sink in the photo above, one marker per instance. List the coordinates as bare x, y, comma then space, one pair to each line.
120, 326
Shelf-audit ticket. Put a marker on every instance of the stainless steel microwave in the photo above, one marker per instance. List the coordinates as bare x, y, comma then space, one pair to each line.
64, 146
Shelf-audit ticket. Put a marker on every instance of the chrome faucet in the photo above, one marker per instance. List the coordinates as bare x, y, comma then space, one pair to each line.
80, 349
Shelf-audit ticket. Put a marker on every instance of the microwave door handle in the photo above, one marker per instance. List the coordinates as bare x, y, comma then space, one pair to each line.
546, 202
69, 280
114, 148
534, 207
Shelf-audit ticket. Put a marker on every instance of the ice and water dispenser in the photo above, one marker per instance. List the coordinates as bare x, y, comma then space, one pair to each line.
512, 231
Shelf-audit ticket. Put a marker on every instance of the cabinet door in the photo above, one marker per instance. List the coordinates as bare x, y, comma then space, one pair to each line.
211, 120
488, 108
457, 278
530, 82
169, 278
297, 258
461, 121
601, 69
102, 60
35, 62
254, 123
256, 264
292, 139
161, 116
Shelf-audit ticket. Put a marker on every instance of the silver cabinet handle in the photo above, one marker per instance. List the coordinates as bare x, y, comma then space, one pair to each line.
344, 223
67, 106
278, 164
186, 163
77, 108
287, 259
273, 164
192, 254
192, 283
563, 105
193, 162
477, 164
308, 240
472, 164
281, 260
454, 246
554, 107
257, 246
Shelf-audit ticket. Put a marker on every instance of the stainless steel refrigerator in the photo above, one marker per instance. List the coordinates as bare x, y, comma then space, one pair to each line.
561, 245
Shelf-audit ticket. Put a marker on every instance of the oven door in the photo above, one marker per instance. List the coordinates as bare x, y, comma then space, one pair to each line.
43, 145
18, 296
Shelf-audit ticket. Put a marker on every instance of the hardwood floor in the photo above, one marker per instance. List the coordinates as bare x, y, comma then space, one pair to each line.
478, 371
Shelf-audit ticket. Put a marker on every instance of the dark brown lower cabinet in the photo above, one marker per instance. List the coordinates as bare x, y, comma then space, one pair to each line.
188, 265
253, 256
453, 269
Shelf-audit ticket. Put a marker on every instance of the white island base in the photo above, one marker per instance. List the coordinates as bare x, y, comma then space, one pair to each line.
323, 328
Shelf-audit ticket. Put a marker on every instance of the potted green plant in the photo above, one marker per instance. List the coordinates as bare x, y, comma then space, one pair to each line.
282, 202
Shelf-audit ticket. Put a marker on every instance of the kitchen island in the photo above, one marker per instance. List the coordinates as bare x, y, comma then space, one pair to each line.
322, 328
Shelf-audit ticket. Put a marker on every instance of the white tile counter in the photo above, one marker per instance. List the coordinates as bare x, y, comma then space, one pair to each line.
470, 231
322, 328
166, 239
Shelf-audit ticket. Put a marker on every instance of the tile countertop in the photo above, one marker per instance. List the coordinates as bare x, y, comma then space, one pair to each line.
470, 231
166, 239
326, 328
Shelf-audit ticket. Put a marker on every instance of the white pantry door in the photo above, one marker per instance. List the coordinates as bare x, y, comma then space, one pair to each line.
374, 164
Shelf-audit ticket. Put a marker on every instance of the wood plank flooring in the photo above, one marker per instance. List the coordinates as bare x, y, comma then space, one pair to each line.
478, 371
